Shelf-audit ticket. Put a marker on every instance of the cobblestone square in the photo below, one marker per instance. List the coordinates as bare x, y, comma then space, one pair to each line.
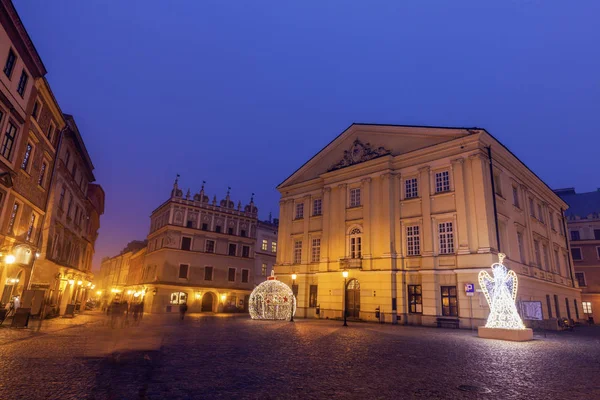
225, 357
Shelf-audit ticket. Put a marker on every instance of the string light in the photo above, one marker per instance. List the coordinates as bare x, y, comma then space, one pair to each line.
272, 300
501, 293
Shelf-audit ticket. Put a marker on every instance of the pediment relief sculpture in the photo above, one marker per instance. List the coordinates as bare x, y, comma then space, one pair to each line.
358, 153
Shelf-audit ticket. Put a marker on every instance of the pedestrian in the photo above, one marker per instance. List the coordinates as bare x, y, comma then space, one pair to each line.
183, 309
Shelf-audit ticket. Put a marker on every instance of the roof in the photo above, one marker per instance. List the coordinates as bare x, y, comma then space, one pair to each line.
580, 204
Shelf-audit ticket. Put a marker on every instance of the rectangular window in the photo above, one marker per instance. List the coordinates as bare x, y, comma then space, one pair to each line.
42, 176
245, 275
596, 234
521, 246
299, 210
230, 231
497, 185
61, 201
30, 228
545, 254
231, 275
27, 157
413, 241
355, 197
516, 202
449, 301
218, 229
531, 209
263, 269
557, 258
312, 296
205, 227
549, 305
232, 251
317, 204
576, 253
22, 83
556, 306
273, 247
538, 255
243, 233
246, 251
36, 109
446, 238
598, 252
315, 253
551, 217
10, 63
265, 245
210, 246
587, 307
540, 214
568, 308
186, 243
575, 235
580, 276
74, 170
208, 273
51, 129
183, 271
411, 188
415, 299
442, 181
13, 217
189, 224
297, 251
8, 141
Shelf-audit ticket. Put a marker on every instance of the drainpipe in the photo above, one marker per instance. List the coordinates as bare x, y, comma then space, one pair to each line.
562, 213
489, 150
50, 183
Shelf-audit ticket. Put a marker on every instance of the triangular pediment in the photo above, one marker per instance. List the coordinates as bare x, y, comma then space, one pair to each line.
5, 179
361, 143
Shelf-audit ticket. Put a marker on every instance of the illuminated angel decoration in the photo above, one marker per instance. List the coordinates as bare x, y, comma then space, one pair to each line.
501, 293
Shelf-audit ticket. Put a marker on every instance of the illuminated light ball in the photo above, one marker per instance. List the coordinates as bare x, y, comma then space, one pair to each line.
272, 300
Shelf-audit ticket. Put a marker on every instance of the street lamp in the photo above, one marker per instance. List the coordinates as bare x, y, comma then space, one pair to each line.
294, 276
10, 259
345, 275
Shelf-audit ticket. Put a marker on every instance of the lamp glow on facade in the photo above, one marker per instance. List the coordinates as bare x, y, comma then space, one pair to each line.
501, 292
80, 283
345, 274
294, 276
223, 297
71, 281
10, 259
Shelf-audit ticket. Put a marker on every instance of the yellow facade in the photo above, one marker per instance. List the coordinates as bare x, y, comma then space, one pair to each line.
354, 205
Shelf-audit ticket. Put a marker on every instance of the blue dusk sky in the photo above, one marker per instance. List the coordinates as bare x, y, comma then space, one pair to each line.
241, 93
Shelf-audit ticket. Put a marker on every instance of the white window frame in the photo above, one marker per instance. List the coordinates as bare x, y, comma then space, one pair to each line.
411, 188
263, 269
297, 251
413, 240
584, 279
299, 211
446, 237
317, 207
355, 242
315, 250
264, 245
273, 247
214, 245
516, 199
587, 307
442, 181
354, 197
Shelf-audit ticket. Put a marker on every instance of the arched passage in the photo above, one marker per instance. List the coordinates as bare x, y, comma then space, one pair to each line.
208, 302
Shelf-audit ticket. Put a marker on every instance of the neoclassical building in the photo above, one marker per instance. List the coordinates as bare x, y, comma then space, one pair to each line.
413, 214
201, 252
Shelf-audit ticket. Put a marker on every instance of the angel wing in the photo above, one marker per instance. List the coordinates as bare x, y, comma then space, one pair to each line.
512, 283
487, 286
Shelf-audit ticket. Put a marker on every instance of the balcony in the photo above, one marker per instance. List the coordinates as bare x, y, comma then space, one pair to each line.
350, 263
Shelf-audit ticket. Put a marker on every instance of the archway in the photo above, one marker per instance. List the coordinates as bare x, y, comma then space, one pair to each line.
353, 299
208, 302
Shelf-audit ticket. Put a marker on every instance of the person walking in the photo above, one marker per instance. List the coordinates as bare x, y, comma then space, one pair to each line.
182, 310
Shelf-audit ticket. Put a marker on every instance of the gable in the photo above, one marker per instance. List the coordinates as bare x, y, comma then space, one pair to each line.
362, 142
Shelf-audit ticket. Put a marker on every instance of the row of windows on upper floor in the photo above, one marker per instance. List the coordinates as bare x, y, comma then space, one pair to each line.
577, 253
9, 66
79, 217
576, 235
184, 273
78, 178
209, 247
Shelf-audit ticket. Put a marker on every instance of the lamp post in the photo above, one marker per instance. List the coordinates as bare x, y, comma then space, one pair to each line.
293, 296
345, 275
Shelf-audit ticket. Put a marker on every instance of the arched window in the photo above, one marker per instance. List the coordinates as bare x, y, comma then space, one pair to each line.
355, 243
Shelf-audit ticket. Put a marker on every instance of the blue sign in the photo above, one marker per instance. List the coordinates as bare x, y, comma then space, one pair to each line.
469, 289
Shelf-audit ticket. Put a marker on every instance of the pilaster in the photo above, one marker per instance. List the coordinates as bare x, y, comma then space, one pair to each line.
424, 180
460, 198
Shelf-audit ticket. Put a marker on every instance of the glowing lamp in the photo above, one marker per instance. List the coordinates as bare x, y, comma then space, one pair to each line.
223, 297
129, 292
89, 284
345, 274
93, 286
37, 255
136, 294
198, 295
10, 259
99, 292
79, 283
71, 281
294, 276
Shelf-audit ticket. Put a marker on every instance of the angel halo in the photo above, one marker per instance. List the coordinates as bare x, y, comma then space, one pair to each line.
501, 292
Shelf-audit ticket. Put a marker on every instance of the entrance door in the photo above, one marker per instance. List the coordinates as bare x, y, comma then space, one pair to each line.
353, 299
207, 302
